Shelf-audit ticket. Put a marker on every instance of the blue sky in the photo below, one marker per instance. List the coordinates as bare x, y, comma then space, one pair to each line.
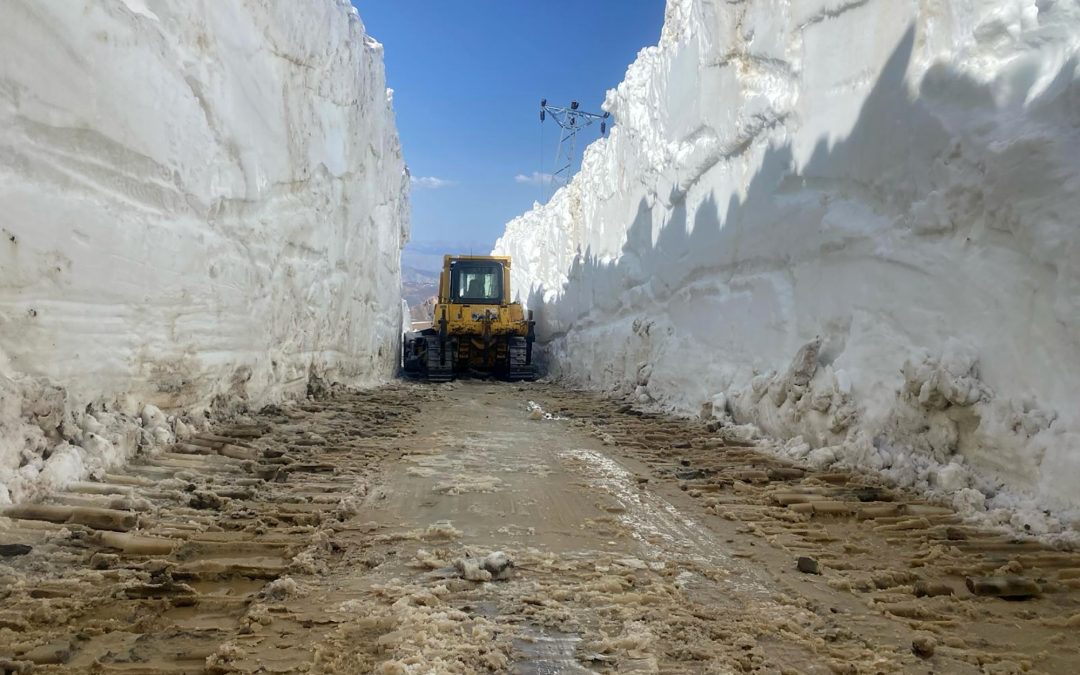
468, 77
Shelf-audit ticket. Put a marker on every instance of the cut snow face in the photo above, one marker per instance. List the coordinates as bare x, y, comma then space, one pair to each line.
846, 235
210, 210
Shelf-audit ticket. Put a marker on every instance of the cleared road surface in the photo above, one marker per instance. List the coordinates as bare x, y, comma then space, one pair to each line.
359, 533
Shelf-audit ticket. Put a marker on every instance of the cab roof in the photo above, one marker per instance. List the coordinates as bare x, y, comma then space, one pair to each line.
504, 259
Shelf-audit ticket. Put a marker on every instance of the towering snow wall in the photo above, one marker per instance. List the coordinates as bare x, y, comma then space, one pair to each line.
852, 223
197, 199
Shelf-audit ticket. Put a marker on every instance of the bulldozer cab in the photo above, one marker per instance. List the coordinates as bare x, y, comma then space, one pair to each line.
473, 283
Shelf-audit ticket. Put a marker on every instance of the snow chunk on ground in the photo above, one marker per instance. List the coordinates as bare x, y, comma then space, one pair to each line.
495, 566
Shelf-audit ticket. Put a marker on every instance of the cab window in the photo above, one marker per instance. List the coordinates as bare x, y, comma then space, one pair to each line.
477, 284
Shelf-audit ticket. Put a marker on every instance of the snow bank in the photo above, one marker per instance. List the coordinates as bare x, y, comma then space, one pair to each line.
850, 223
199, 199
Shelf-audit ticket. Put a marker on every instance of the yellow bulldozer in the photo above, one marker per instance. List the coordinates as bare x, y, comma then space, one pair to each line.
476, 329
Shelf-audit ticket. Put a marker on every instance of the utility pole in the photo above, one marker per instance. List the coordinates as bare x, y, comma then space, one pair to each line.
570, 120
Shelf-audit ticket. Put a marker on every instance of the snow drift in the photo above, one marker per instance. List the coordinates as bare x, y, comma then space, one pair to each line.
851, 223
200, 200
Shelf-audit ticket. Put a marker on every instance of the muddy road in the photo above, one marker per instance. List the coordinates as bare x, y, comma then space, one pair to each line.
488, 527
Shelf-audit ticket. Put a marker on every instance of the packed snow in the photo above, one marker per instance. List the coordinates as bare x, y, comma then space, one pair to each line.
851, 224
203, 203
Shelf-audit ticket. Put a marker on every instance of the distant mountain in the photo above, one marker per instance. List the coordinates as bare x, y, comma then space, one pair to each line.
416, 275
420, 289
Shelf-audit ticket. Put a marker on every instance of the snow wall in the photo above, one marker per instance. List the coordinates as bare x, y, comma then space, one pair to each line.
853, 223
200, 201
